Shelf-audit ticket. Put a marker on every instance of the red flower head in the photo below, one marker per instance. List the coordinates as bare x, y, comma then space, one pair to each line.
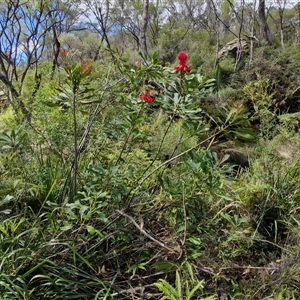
146, 96
182, 58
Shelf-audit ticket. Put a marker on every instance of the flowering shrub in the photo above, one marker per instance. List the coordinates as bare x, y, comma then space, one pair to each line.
146, 97
182, 66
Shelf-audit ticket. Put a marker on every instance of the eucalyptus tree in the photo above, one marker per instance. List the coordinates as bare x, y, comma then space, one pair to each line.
265, 32
144, 26
27, 28
178, 19
295, 21
108, 18
281, 4
128, 16
21, 45
97, 14
125, 24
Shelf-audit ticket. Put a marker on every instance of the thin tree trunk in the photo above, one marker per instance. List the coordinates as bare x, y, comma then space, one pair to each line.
239, 49
144, 25
252, 32
56, 48
264, 28
281, 26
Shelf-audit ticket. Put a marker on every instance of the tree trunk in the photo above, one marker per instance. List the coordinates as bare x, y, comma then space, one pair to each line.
264, 28
144, 25
281, 11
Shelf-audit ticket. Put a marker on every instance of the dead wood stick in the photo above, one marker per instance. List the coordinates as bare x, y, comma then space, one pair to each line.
246, 267
144, 232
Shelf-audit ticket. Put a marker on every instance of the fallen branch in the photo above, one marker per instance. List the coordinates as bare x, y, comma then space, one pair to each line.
140, 228
271, 243
246, 267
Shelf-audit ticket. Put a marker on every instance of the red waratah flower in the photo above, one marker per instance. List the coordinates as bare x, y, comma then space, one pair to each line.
182, 58
146, 96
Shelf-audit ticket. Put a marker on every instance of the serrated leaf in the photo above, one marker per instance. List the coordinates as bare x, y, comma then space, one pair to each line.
230, 114
199, 286
178, 285
165, 287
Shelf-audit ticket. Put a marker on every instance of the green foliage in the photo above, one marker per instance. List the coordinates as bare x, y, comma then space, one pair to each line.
103, 192
11, 140
7, 119
186, 286
106, 196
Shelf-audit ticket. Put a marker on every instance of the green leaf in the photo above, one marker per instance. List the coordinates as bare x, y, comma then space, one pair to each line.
164, 265
92, 230
245, 133
224, 158
34, 268
51, 104
6, 200
176, 99
155, 56
169, 292
178, 284
195, 241
198, 286
90, 101
66, 227
230, 114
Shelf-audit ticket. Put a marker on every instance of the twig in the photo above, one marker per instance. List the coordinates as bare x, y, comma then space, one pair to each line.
246, 267
203, 269
145, 233
150, 276
268, 242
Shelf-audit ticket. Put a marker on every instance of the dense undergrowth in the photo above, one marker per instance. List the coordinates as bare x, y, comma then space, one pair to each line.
138, 181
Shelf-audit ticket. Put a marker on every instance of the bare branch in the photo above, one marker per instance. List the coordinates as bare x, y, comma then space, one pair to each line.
143, 231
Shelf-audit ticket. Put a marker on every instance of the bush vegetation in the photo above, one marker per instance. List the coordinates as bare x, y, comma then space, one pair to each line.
135, 180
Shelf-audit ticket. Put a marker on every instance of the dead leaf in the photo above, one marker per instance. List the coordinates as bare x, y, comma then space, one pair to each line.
101, 270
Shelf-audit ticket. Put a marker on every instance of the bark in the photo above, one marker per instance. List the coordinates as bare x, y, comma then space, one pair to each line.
56, 48
252, 31
281, 7
103, 19
264, 28
144, 26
